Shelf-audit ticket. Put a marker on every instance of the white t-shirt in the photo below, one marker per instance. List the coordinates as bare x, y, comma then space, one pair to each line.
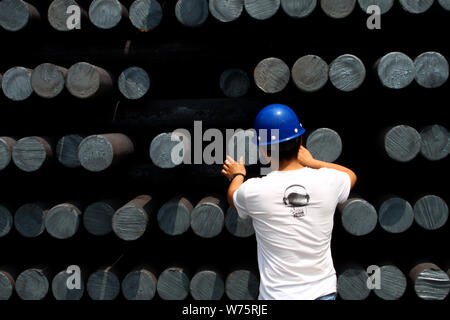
292, 214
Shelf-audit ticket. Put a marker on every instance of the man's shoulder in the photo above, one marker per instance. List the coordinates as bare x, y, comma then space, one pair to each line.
273, 176
253, 185
334, 178
328, 172
252, 182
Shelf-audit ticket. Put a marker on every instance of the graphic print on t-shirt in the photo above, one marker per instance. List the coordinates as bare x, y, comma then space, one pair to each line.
297, 199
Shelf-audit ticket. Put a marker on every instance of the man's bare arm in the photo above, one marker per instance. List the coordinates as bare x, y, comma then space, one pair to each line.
237, 170
306, 159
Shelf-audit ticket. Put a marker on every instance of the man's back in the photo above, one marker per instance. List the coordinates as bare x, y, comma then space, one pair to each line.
292, 214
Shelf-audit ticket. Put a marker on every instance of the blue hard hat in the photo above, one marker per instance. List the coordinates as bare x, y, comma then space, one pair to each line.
277, 117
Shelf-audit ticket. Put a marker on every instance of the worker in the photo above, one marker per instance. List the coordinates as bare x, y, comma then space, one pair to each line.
292, 209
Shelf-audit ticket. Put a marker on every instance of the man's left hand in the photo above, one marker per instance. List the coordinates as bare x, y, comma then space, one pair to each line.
231, 167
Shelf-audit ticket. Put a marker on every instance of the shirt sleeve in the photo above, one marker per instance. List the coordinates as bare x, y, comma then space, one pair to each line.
343, 183
239, 202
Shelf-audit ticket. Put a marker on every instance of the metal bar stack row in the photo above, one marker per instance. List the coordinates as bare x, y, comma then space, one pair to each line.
173, 283
128, 221
207, 219
428, 281
272, 75
146, 15
96, 153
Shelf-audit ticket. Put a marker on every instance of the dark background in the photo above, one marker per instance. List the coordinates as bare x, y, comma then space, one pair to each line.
186, 63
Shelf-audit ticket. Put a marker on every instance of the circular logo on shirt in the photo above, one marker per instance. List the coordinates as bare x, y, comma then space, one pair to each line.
297, 199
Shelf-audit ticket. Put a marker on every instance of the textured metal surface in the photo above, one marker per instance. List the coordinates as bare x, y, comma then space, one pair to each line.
432, 70
173, 284
85, 80
393, 283
130, 221
234, 83
139, 284
67, 150
352, 284
271, 75
298, 8
95, 153
226, 10
164, 147
402, 143
29, 220
435, 142
261, 9
16, 83
57, 13
134, 83
6, 145
14, 14
60, 289
31, 153
310, 73
238, 227
431, 212
324, 144
207, 218
6, 221
242, 285
6, 286
432, 284
98, 152
358, 217
396, 70
105, 14
62, 221
146, 15
48, 80
97, 218
32, 284
395, 215
416, 6
207, 285
103, 285
347, 72
338, 9
384, 5
174, 217
445, 4
192, 13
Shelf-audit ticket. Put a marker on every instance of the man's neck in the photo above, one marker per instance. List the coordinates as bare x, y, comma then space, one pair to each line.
289, 165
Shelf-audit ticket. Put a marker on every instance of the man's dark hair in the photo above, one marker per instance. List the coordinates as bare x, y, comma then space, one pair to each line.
286, 150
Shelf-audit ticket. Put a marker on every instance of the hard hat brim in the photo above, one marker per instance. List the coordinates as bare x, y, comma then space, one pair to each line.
268, 143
